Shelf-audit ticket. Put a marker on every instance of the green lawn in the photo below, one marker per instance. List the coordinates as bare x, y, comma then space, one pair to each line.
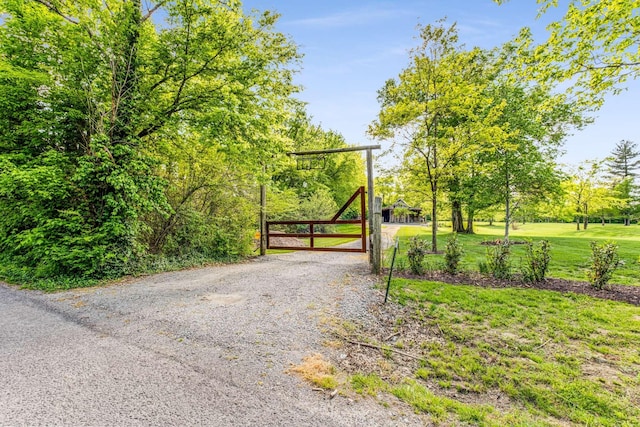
514, 356
509, 356
570, 250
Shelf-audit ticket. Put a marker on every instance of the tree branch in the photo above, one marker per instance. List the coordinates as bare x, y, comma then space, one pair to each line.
382, 348
52, 7
152, 10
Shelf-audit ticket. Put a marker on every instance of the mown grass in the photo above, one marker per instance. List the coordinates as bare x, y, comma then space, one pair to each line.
335, 241
570, 249
514, 357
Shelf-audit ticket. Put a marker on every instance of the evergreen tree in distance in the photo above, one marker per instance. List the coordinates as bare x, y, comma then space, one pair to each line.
623, 164
625, 160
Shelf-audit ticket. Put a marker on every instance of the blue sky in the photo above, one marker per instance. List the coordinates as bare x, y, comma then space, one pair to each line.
351, 47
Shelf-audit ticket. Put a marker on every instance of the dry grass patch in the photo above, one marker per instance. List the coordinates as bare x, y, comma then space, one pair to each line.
317, 371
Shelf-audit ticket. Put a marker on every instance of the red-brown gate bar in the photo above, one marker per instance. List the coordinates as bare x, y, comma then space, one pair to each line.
312, 235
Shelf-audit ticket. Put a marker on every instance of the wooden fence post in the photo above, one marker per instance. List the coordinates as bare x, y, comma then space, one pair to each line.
376, 247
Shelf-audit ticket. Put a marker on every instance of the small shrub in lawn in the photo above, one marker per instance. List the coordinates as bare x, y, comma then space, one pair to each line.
498, 260
537, 261
604, 261
483, 267
418, 249
452, 255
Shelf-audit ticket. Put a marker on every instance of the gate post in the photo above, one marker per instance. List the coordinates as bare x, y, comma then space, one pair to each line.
376, 247
263, 216
370, 194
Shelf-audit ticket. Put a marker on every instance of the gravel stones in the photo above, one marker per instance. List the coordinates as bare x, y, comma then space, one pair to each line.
206, 346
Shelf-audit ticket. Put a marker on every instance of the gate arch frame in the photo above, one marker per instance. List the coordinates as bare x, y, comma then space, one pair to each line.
370, 199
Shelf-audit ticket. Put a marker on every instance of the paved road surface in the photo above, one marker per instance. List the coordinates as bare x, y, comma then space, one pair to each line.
201, 347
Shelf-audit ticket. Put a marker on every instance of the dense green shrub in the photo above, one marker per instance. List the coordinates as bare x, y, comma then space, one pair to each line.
604, 261
452, 254
536, 261
498, 263
418, 249
96, 183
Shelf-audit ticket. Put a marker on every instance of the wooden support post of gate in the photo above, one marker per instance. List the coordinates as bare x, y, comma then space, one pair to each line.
376, 247
263, 215
370, 194
370, 180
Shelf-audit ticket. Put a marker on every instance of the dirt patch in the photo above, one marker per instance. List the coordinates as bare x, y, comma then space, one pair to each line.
224, 299
292, 242
622, 293
499, 242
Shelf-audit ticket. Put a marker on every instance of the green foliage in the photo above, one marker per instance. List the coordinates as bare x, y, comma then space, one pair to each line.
319, 205
624, 161
483, 267
470, 130
319, 191
53, 222
452, 254
422, 106
604, 261
498, 260
418, 249
623, 165
536, 261
571, 249
592, 47
126, 143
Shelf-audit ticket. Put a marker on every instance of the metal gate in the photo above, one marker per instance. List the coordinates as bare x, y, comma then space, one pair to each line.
312, 235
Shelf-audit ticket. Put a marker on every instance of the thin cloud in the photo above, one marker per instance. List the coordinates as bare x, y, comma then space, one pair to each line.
362, 62
351, 18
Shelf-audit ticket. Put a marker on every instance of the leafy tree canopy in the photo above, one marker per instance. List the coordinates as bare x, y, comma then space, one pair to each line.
97, 101
594, 47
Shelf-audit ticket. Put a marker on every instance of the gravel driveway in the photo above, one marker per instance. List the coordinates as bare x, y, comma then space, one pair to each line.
207, 346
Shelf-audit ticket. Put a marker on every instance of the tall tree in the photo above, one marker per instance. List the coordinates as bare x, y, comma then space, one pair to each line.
422, 110
523, 158
623, 164
586, 192
92, 87
624, 160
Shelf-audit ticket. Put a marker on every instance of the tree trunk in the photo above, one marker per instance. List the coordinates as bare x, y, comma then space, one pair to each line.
507, 216
585, 218
470, 222
507, 200
434, 223
457, 222
578, 223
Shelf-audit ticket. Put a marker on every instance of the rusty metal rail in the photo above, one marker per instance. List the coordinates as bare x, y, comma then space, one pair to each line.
312, 235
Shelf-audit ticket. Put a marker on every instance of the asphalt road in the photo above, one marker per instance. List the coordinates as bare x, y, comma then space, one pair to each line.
201, 347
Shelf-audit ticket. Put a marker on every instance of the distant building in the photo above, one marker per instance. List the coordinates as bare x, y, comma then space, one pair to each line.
401, 212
